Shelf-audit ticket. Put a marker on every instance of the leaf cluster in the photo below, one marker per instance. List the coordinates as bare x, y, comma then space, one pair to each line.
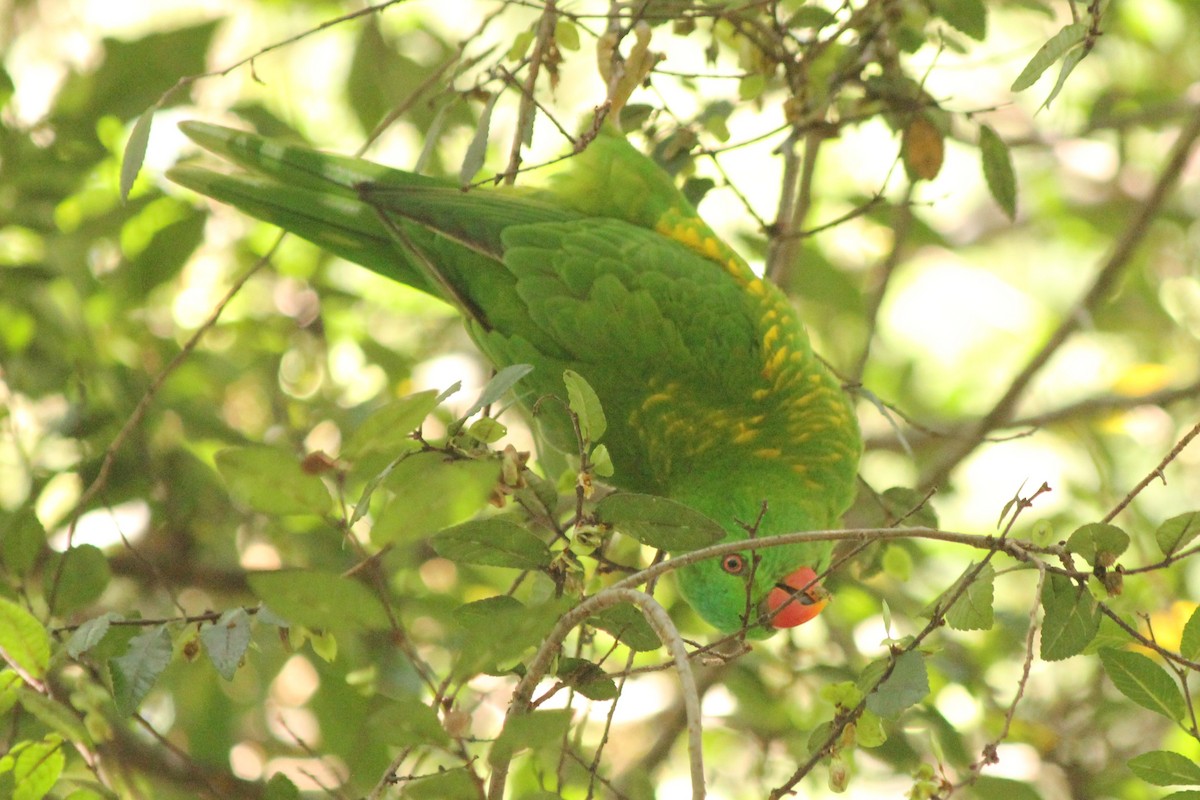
221, 514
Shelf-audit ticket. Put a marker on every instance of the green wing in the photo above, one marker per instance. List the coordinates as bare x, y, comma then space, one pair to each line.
711, 389
538, 283
308, 193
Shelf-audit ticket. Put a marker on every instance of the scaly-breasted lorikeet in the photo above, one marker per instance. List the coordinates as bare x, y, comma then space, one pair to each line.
711, 389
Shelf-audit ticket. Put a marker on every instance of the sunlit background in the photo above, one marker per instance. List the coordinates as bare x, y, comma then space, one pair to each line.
306, 347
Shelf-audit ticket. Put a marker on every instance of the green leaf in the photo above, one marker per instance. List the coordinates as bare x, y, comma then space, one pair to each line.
520, 45
492, 543
449, 391
90, 633
405, 721
364, 500
452, 784
1177, 532
1189, 794
382, 75
973, 609
751, 87
21, 541
315, 599
10, 689
967, 16
586, 678
431, 492
1051, 51
477, 149
271, 481
907, 685
1189, 641
500, 383
123, 86
628, 626
36, 767
990, 787
897, 563
24, 643
1098, 543
499, 630
1071, 618
900, 502
114, 643
479, 612
536, 730
1110, 634
658, 522
90, 791
54, 715
582, 399
280, 787
843, 694
487, 430
870, 731
324, 644
174, 231
1164, 768
1144, 682
134, 674
998, 170
813, 17
566, 35
601, 461
226, 641
1070, 61
389, 429
85, 575
135, 151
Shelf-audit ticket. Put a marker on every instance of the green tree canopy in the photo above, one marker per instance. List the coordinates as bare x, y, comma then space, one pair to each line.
269, 529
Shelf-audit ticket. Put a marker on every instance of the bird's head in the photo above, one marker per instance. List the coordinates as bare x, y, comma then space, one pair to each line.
764, 589
761, 592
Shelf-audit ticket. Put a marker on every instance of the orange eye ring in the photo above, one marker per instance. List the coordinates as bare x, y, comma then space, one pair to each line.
734, 563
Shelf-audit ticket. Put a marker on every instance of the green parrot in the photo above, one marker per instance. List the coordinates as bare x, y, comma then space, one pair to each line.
713, 395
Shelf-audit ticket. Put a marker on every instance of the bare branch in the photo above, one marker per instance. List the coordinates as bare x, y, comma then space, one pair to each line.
1157, 472
658, 618
1116, 262
142, 408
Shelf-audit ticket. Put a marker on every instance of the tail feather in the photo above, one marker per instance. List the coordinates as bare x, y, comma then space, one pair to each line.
475, 220
296, 166
374, 215
343, 225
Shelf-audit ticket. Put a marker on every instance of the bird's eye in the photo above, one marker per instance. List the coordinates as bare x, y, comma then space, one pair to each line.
734, 564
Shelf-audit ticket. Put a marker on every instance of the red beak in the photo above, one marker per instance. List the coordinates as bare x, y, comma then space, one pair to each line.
796, 599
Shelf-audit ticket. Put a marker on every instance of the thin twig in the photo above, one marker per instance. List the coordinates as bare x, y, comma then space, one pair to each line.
660, 621
1146, 641
1089, 406
670, 722
143, 407
1157, 472
779, 249
545, 33
882, 275
188, 80
936, 620
1116, 262
989, 755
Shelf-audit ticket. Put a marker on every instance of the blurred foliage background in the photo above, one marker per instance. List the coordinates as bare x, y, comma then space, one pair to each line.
1000, 330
